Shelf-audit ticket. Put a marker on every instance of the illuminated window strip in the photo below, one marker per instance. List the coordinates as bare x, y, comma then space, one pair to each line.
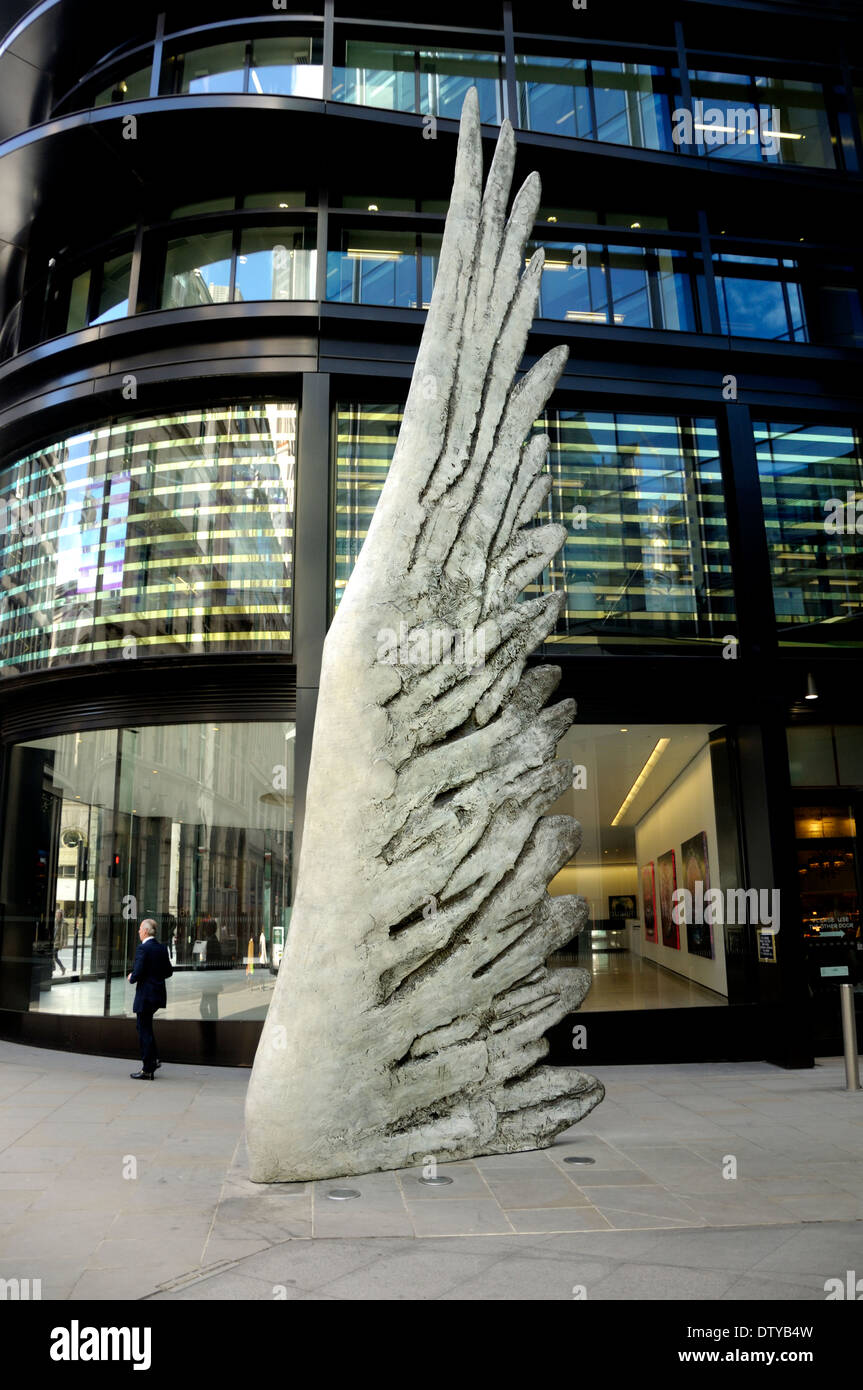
189, 642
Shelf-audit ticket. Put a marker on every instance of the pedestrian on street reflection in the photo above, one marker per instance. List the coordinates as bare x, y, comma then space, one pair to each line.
150, 969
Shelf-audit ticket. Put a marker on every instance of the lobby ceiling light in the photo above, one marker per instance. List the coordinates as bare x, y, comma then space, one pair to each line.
373, 207
590, 316
642, 777
635, 226
811, 691
551, 219
355, 254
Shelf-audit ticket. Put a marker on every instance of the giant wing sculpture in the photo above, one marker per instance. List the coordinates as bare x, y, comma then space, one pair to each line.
408, 1015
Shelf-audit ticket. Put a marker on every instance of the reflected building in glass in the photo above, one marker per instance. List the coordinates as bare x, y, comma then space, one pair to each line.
218, 244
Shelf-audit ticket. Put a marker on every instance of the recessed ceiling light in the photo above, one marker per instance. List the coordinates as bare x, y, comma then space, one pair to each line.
551, 219
642, 777
284, 205
624, 731
373, 207
634, 225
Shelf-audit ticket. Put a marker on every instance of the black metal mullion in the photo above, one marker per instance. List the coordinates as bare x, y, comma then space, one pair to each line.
135, 273
747, 535
510, 83
329, 48
715, 321
158, 49
236, 233
591, 97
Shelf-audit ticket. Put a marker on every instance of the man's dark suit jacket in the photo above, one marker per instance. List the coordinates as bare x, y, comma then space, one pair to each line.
151, 968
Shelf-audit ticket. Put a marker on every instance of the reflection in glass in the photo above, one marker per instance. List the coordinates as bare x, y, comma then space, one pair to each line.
287, 67
762, 302
650, 288
622, 103
79, 299
220, 68
151, 537
134, 87
376, 75
197, 270
274, 264
811, 485
430, 81
446, 76
180, 823
374, 267
647, 557
114, 290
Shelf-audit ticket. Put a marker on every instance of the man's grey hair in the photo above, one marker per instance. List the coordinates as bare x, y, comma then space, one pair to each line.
149, 927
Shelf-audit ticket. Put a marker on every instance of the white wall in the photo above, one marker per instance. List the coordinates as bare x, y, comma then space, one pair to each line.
681, 812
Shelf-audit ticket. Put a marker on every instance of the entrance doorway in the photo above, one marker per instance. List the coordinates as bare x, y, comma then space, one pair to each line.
828, 878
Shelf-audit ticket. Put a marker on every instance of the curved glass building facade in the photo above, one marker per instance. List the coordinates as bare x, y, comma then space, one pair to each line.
219, 237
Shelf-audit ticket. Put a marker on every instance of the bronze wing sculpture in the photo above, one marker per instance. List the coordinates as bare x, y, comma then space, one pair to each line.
408, 1015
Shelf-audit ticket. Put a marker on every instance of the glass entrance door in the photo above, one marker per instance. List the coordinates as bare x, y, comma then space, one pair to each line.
829, 887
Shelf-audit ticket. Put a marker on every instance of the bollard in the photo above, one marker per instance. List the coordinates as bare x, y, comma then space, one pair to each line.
849, 1038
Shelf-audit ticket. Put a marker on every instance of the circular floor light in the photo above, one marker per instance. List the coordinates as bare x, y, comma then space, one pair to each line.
343, 1194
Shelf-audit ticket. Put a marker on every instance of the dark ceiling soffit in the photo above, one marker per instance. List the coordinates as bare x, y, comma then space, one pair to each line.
175, 690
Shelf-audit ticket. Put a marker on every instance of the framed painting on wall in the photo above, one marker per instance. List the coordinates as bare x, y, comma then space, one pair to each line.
667, 886
695, 871
648, 897
622, 905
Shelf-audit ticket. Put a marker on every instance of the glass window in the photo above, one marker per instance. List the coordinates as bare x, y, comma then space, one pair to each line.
275, 263
647, 556
743, 116
446, 77
650, 288
134, 87
287, 67
79, 299
376, 75
183, 823
553, 96
574, 285
629, 109
797, 123
151, 537
197, 270
623, 103
812, 487
763, 302
221, 68
374, 267
389, 77
660, 919
114, 291
727, 121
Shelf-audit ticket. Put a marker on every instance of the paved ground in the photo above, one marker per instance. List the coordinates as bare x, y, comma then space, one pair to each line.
115, 1189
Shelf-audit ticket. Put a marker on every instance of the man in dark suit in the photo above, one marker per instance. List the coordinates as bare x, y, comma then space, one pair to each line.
150, 969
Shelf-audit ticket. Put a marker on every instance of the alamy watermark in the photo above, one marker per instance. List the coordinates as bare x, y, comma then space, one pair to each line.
427, 647
732, 906
726, 125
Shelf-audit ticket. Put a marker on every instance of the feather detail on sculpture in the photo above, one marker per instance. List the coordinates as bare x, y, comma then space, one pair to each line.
409, 1013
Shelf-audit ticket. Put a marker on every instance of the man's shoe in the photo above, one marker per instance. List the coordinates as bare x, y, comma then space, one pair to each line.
141, 1075
157, 1066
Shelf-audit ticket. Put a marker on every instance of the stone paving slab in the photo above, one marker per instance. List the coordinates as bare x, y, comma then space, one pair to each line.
114, 1189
